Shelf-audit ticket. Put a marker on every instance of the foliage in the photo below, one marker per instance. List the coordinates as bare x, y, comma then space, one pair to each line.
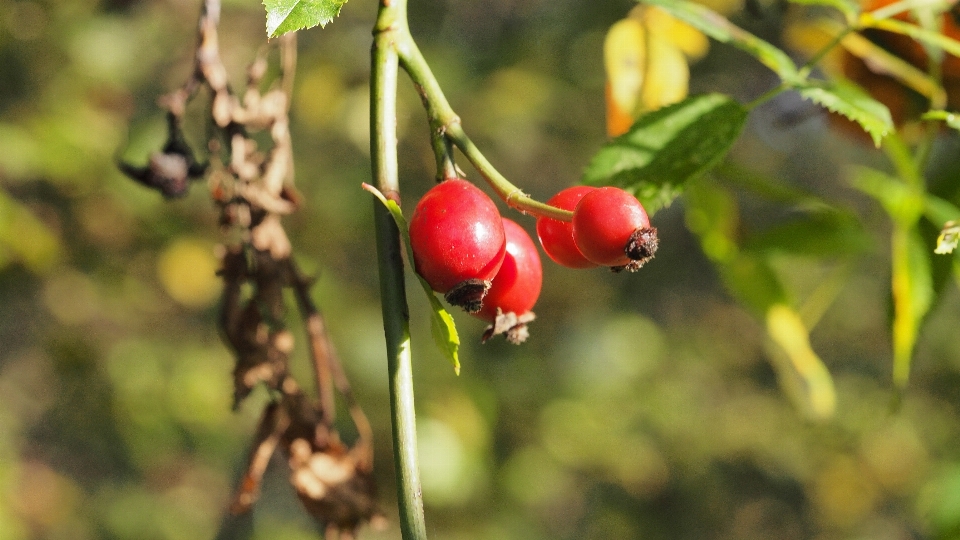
853, 103
667, 147
797, 272
290, 15
442, 327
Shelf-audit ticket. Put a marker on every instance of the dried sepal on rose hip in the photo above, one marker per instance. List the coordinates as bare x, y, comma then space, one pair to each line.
515, 288
458, 243
611, 228
556, 236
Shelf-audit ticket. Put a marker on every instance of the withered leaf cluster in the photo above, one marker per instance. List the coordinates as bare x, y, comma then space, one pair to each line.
253, 189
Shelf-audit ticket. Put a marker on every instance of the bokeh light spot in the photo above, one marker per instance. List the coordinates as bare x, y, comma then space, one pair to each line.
187, 270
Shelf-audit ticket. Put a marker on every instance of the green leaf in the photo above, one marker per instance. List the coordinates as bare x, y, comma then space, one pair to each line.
766, 188
289, 15
753, 282
849, 8
940, 211
816, 227
949, 238
819, 233
442, 326
913, 294
850, 101
719, 28
667, 147
912, 278
952, 120
904, 204
713, 215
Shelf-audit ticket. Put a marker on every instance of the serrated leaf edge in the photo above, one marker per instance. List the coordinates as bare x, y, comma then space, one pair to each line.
811, 89
271, 28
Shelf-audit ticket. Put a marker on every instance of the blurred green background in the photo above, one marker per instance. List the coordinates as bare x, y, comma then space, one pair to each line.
643, 406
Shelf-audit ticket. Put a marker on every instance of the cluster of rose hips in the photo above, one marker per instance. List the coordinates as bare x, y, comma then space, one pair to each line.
489, 266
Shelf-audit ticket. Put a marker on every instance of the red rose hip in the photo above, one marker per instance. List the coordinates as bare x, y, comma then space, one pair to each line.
458, 243
515, 288
556, 236
611, 228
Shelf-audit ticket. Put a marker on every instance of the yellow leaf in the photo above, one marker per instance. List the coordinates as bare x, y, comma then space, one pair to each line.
645, 71
692, 42
815, 389
668, 79
619, 119
624, 57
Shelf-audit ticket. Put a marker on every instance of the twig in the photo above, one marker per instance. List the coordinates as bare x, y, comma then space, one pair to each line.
445, 123
390, 26
320, 346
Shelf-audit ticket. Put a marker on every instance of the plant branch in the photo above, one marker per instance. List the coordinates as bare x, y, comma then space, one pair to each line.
445, 123
321, 350
805, 70
511, 194
391, 24
767, 96
443, 149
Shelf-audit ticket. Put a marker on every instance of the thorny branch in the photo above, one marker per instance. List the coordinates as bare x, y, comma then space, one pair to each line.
253, 189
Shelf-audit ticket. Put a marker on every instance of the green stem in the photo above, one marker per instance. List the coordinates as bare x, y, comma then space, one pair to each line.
804, 71
396, 326
766, 96
445, 123
511, 194
903, 161
446, 166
